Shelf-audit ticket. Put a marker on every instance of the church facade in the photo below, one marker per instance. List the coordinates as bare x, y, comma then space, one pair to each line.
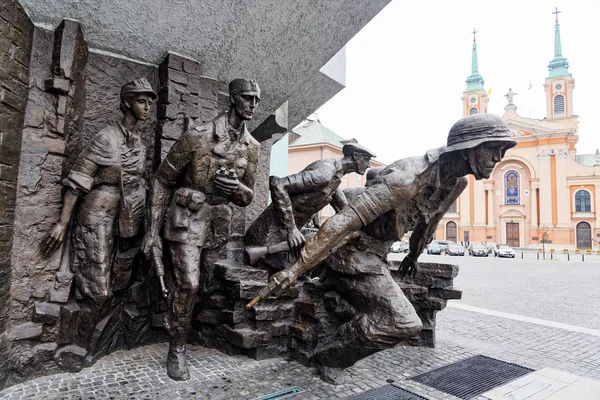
542, 192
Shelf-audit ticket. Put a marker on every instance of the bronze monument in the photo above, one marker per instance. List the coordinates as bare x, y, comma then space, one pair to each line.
107, 180
298, 197
409, 194
208, 167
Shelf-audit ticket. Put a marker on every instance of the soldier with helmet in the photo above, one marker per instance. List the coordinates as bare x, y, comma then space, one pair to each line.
296, 198
106, 193
208, 167
108, 178
419, 191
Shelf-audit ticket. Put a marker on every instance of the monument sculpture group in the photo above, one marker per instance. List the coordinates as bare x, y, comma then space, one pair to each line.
171, 244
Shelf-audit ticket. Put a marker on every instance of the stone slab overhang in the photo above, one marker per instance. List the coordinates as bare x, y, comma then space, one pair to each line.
294, 49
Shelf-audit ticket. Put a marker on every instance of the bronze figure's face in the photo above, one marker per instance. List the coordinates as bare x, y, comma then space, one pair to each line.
244, 103
140, 106
484, 158
362, 162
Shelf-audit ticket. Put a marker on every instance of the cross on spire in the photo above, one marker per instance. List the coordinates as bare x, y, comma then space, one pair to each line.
556, 12
474, 33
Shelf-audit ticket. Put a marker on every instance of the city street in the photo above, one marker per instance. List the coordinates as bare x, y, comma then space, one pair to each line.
561, 291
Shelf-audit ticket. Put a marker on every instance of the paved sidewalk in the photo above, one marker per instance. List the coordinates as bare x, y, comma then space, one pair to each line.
140, 373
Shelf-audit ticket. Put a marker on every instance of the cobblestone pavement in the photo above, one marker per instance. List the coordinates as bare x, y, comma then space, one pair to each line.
512, 286
140, 373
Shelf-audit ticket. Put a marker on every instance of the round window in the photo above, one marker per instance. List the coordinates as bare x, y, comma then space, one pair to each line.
473, 99
558, 86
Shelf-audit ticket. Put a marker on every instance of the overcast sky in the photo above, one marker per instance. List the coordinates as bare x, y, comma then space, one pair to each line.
406, 69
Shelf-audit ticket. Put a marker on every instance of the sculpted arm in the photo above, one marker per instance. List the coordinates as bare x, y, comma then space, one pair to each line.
99, 152
245, 191
339, 201
282, 188
423, 232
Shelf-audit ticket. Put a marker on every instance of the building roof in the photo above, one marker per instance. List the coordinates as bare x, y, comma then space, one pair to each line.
475, 80
589, 160
316, 133
559, 66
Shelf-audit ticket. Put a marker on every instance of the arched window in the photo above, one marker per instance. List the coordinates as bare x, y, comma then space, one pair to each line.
583, 201
584, 235
512, 188
559, 105
473, 110
451, 231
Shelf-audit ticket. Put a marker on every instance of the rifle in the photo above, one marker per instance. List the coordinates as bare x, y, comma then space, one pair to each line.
275, 285
160, 269
265, 292
254, 253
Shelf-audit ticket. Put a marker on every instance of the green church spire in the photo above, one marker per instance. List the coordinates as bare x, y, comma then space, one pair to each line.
474, 81
559, 66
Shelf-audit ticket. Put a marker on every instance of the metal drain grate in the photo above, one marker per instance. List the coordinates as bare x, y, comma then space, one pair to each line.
471, 377
387, 392
281, 395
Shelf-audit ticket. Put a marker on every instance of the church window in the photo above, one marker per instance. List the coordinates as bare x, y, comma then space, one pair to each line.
473, 111
453, 208
559, 105
451, 231
583, 201
512, 187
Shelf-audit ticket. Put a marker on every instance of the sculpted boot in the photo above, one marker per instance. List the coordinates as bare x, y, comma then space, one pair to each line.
176, 365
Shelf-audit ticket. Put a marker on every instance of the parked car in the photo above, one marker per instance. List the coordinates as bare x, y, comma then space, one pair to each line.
443, 243
434, 248
399, 247
478, 250
504, 250
454, 249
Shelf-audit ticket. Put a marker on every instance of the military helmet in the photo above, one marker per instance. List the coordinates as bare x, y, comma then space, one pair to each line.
140, 85
474, 130
372, 174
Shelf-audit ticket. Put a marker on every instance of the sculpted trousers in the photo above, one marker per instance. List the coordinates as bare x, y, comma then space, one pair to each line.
186, 269
376, 200
384, 318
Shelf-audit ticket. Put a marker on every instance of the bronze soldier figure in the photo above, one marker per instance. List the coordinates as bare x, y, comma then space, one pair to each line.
108, 178
296, 198
107, 175
420, 189
414, 194
208, 167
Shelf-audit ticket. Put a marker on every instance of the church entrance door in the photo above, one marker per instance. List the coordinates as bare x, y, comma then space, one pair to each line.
584, 236
512, 234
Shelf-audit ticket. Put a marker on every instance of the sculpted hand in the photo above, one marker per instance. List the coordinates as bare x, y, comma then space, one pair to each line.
226, 185
278, 282
282, 280
295, 241
149, 243
53, 240
409, 266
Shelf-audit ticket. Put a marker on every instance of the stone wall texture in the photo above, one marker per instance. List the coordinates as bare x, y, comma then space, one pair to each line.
16, 31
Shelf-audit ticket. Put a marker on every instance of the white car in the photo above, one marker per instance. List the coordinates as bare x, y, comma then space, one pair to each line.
505, 250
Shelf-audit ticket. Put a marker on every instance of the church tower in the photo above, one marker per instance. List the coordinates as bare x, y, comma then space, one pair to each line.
475, 99
559, 84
